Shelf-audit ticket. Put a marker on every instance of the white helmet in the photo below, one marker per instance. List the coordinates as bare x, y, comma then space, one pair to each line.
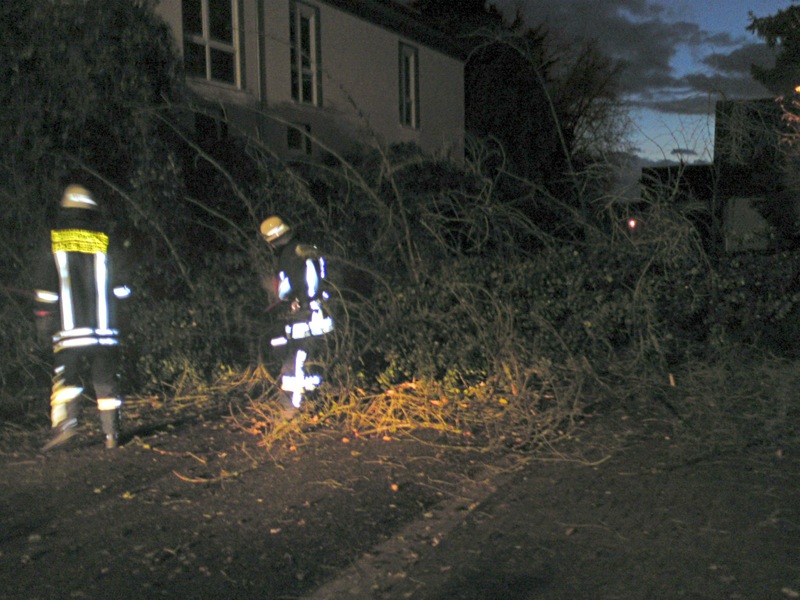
77, 196
273, 228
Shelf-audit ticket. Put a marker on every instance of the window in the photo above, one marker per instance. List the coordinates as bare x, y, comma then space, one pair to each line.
298, 138
305, 54
409, 86
209, 40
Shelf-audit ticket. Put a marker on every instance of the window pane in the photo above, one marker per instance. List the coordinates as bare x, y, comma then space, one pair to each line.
408, 83
222, 66
304, 57
192, 17
297, 138
294, 139
194, 59
220, 19
305, 41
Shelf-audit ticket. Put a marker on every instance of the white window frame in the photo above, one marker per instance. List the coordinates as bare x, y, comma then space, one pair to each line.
306, 47
408, 78
209, 44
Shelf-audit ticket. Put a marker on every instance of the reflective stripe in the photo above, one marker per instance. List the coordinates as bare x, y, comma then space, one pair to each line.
300, 360
85, 332
67, 314
58, 416
318, 325
312, 279
82, 342
294, 383
78, 240
299, 382
79, 332
109, 403
65, 394
298, 331
45, 296
284, 285
101, 281
76, 343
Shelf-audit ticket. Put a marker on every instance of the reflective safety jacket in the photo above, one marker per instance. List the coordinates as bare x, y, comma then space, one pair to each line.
76, 282
301, 271
300, 279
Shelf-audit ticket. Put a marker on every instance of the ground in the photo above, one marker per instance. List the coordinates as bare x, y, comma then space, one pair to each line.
197, 507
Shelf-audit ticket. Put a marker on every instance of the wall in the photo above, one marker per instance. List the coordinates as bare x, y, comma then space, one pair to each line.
359, 82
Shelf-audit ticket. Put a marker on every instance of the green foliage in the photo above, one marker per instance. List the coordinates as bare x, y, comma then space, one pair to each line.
76, 75
757, 303
195, 336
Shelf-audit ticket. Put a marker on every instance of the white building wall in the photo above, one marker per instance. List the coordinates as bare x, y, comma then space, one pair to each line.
744, 227
360, 82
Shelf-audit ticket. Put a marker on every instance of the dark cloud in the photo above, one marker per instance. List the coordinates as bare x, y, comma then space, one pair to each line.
739, 60
698, 104
726, 86
648, 39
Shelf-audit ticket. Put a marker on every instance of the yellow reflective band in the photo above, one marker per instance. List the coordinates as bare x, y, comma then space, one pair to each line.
65, 394
109, 403
79, 240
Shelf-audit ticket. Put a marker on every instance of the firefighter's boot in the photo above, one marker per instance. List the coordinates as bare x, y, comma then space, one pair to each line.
110, 423
66, 428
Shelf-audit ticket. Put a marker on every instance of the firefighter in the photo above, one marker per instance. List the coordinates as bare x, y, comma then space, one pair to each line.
298, 285
77, 295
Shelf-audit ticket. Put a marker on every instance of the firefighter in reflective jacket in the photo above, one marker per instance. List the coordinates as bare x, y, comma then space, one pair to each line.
76, 294
298, 283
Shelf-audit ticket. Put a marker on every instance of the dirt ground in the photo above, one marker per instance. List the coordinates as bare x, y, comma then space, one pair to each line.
196, 508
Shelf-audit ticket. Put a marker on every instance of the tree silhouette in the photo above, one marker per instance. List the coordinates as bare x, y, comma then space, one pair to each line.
550, 108
780, 205
780, 31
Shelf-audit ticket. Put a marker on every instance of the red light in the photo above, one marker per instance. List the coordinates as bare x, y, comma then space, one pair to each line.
632, 223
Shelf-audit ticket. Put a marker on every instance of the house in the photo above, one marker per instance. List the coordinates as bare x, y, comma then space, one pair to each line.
317, 76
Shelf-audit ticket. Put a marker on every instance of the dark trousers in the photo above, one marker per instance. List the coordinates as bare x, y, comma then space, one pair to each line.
90, 372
